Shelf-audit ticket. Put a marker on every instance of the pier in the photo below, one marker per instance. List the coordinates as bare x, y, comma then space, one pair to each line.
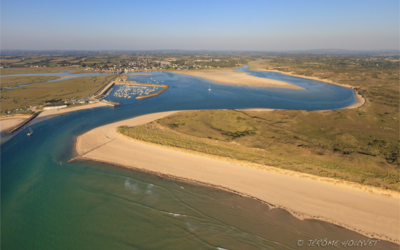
110, 103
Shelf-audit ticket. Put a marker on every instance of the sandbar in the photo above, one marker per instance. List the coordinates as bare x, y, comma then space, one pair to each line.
237, 78
369, 214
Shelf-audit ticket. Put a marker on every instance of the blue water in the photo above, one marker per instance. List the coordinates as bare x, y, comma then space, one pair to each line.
49, 204
192, 93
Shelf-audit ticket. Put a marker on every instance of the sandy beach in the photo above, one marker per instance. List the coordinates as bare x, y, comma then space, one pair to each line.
237, 78
47, 114
11, 121
367, 213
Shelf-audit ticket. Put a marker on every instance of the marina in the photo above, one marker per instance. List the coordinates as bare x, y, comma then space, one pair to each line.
129, 91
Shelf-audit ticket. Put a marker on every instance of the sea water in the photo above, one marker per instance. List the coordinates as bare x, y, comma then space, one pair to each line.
47, 203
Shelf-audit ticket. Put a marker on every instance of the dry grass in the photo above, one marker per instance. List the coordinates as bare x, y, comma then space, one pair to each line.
328, 144
38, 94
359, 145
40, 70
13, 81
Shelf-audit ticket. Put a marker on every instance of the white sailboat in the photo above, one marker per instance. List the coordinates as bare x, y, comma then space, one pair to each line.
30, 132
209, 89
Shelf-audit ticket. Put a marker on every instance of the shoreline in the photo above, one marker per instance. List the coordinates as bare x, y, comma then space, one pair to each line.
296, 214
298, 195
361, 101
10, 121
55, 112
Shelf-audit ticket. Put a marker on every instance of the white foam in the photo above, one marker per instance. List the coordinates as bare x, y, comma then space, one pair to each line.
176, 215
149, 189
132, 187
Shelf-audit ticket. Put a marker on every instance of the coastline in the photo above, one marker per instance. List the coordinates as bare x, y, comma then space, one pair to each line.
297, 193
294, 213
360, 99
48, 114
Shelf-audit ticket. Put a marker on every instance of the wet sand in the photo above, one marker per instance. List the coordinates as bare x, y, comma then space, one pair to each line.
370, 214
237, 78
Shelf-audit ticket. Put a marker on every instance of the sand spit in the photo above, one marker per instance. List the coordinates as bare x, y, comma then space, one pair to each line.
307, 197
237, 78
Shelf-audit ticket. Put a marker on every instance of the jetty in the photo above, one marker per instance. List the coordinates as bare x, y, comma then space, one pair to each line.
105, 87
165, 87
110, 103
17, 127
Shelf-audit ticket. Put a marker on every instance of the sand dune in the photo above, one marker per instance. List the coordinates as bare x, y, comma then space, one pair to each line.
370, 214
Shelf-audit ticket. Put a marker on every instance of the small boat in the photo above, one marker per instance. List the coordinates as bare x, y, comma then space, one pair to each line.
30, 132
209, 89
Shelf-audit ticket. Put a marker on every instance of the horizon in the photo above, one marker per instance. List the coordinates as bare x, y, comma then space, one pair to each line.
206, 50
222, 26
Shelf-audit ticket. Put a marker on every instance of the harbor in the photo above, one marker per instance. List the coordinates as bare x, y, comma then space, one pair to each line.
123, 88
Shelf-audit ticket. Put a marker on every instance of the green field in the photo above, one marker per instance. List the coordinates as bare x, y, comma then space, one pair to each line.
40, 93
13, 81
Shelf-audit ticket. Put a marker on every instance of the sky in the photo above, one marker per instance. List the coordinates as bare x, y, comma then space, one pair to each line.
199, 25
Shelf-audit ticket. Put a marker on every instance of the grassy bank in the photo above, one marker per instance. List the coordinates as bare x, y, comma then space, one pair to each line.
327, 144
377, 78
359, 145
14, 81
39, 94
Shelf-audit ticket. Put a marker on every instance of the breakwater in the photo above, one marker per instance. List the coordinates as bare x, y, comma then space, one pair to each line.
15, 128
105, 87
165, 87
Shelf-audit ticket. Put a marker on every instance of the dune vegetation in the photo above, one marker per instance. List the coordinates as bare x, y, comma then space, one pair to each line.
359, 145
